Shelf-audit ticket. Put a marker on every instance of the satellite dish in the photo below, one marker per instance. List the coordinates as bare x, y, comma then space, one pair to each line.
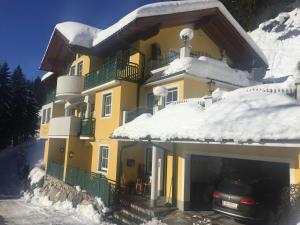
186, 34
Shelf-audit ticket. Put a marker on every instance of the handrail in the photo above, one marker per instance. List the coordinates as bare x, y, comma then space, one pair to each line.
113, 70
87, 127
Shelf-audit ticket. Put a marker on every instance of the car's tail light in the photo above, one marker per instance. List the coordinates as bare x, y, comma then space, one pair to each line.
216, 194
247, 201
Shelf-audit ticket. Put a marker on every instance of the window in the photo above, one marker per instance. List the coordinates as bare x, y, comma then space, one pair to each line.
172, 95
103, 158
72, 70
150, 100
106, 111
79, 68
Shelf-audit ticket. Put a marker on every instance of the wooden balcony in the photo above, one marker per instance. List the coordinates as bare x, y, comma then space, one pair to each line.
87, 128
113, 70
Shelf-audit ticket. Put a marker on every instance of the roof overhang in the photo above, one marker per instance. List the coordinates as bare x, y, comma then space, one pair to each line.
262, 143
216, 22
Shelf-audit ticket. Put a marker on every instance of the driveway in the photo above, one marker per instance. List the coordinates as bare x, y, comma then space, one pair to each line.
198, 217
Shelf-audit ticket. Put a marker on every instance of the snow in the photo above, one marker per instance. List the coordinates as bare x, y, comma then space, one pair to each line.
87, 36
154, 221
82, 211
288, 86
239, 116
46, 75
186, 33
160, 91
208, 68
279, 39
36, 175
79, 34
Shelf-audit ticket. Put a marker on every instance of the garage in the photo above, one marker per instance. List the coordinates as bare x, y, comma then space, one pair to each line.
207, 171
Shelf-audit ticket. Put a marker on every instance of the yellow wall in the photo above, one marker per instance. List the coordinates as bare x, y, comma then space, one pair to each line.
54, 146
44, 130
194, 88
169, 38
82, 156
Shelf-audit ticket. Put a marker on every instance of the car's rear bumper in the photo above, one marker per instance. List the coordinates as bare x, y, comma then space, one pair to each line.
236, 214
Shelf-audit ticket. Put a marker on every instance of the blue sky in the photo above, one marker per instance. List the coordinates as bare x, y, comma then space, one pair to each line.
26, 26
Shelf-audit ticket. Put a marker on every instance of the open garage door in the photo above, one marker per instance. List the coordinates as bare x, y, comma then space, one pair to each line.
208, 171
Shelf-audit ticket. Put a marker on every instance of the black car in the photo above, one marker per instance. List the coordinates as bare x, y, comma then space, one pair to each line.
246, 201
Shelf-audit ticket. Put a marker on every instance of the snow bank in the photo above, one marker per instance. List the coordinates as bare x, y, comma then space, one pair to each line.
36, 175
82, 210
241, 116
279, 39
34, 153
208, 68
154, 221
87, 36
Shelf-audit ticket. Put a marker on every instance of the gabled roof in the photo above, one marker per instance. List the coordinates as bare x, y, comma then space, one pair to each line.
145, 22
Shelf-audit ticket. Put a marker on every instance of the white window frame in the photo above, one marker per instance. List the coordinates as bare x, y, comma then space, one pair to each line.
72, 68
99, 166
103, 108
80, 65
171, 91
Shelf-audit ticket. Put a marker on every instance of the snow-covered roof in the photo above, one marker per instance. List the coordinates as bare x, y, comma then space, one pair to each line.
240, 117
78, 33
279, 39
46, 75
208, 68
87, 36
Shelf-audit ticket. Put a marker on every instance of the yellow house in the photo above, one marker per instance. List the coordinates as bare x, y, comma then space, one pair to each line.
106, 79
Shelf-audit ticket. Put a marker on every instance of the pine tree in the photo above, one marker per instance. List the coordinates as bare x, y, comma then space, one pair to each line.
39, 91
31, 113
5, 106
19, 104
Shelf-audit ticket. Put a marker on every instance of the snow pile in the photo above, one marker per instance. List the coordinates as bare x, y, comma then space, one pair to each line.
279, 39
82, 210
88, 211
287, 87
186, 34
34, 153
78, 34
36, 175
160, 91
154, 221
240, 117
208, 68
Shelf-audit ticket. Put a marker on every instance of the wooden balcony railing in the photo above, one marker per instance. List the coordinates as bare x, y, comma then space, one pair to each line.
93, 183
113, 70
87, 127
55, 169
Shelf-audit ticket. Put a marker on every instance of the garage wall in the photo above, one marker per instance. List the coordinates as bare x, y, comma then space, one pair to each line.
262, 153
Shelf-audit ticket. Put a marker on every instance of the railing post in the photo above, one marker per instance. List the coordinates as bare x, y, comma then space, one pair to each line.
125, 116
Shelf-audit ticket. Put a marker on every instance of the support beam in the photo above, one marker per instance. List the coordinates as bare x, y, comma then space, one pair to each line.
154, 176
